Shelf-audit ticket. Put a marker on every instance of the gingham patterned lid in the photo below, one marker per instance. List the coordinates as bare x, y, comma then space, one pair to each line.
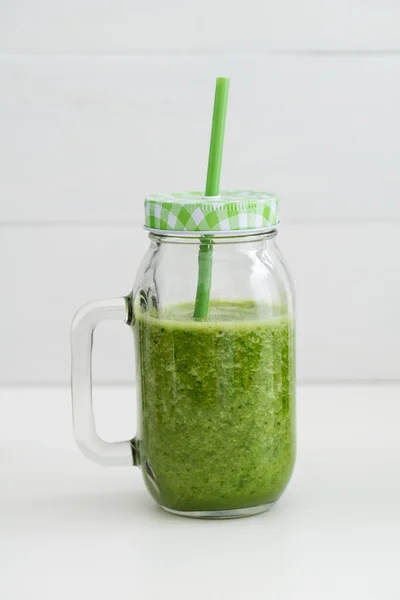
238, 210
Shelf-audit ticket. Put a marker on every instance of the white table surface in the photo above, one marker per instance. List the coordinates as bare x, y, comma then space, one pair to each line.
70, 529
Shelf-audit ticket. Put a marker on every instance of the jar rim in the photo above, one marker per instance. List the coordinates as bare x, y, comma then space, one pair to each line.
215, 234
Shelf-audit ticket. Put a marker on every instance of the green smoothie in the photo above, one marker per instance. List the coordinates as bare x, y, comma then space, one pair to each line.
217, 401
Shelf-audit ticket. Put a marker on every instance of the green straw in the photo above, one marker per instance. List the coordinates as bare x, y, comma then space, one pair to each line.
212, 189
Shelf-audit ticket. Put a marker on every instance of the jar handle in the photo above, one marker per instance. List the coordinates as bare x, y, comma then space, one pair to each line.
83, 326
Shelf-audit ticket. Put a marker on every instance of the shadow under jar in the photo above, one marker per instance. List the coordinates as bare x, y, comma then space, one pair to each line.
216, 395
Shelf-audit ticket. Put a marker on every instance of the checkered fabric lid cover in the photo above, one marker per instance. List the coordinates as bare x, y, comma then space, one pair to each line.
237, 210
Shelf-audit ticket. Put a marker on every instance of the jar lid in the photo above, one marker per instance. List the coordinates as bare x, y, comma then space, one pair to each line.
239, 210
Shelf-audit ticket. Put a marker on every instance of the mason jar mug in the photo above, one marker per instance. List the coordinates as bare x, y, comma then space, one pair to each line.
212, 316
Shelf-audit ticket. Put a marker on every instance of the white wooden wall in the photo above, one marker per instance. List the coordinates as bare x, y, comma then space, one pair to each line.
103, 102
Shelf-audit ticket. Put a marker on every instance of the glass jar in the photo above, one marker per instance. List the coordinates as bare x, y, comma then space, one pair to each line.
216, 395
